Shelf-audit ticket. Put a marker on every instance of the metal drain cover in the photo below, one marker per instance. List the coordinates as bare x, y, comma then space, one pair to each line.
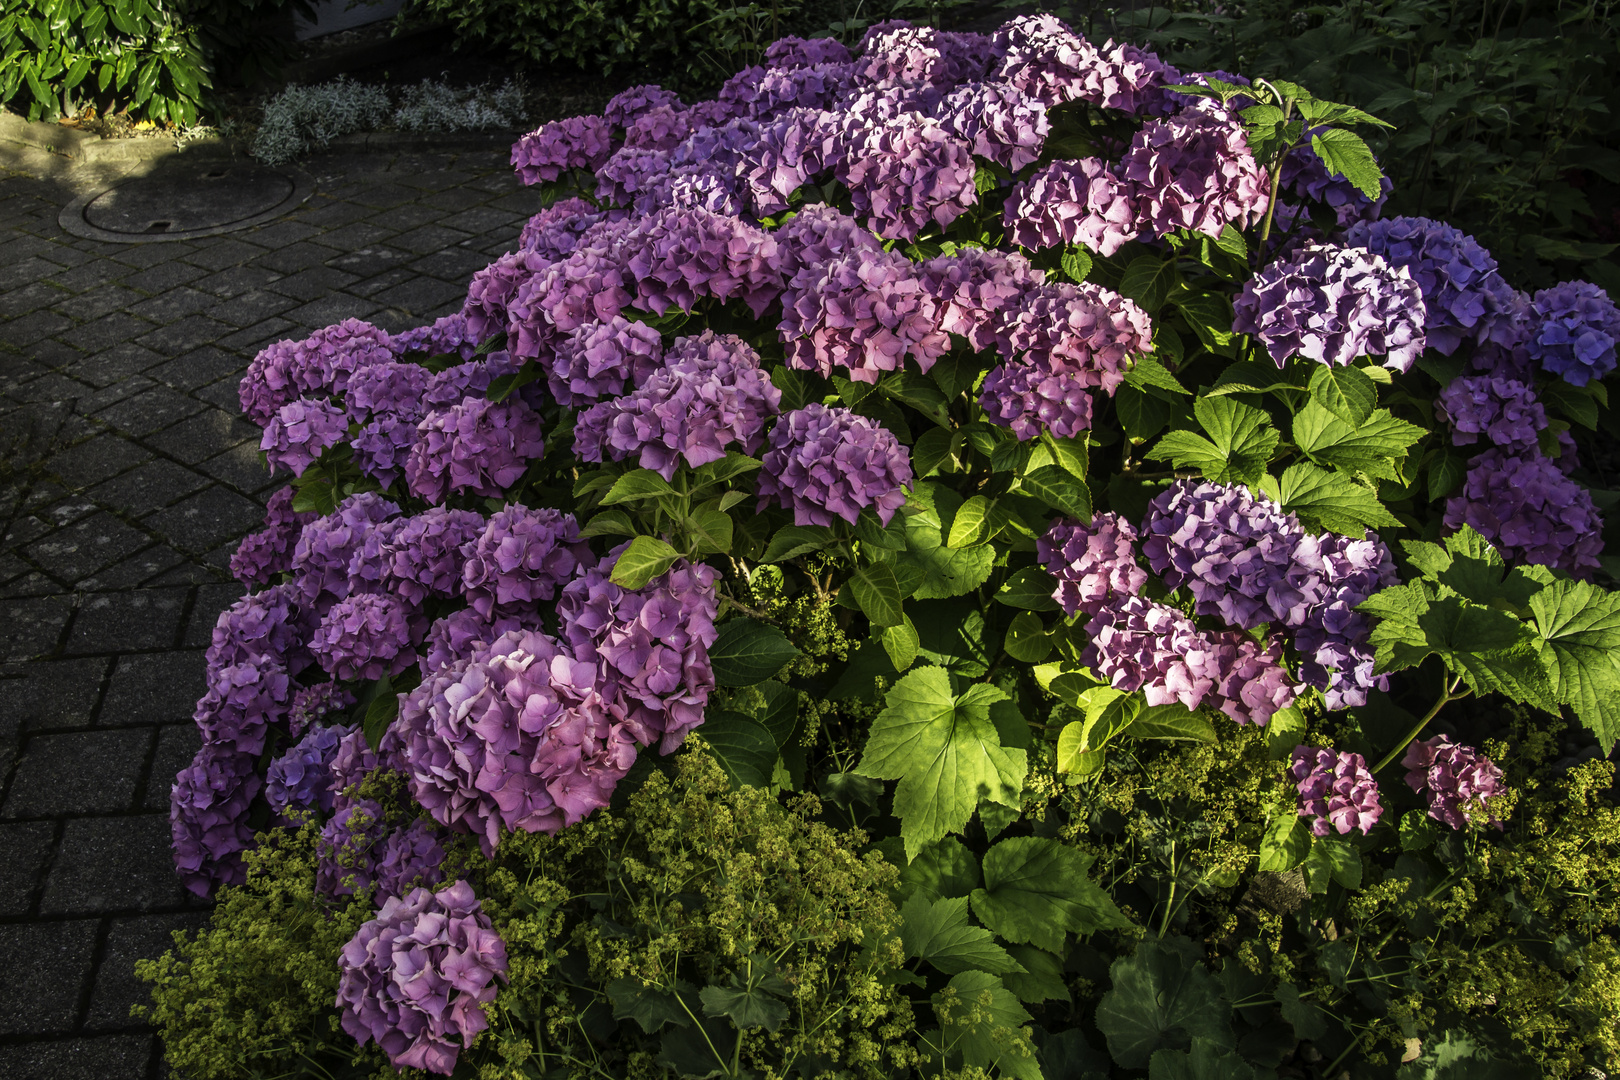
181, 204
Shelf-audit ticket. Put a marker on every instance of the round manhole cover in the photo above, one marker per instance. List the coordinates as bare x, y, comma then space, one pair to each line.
181, 204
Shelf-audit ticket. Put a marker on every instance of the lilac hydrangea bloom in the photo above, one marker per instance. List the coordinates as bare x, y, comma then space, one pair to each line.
1029, 400
480, 446
242, 701
624, 107
792, 52
300, 431
521, 556
300, 779
1072, 202
652, 643
635, 176
591, 285
391, 389
1462, 290
580, 142
492, 290
1084, 331
319, 364
783, 159
826, 461
1331, 575
1332, 304
415, 978
863, 311
661, 129
424, 555
1336, 790
1576, 328
974, 286
517, 737
682, 255
327, 546
208, 810
1505, 411
815, 235
383, 446
454, 385
1095, 565
1045, 60
459, 634
346, 857
264, 554
908, 173
710, 395
555, 232
997, 121
1531, 511
445, 336
599, 359
364, 636
409, 858
1194, 171
262, 627
314, 704
1455, 778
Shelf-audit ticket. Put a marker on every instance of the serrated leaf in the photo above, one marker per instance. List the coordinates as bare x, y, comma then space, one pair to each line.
1241, 442
1162, 996
931, 451
718, 472
1036, 889
643, 560
1346, 392
971, 524
901, 643
710, 531
878, 593
1149, 372
1332, 500
944, 751
1030, 589
1345, 154
793, 540
608, 523
1332, 858
1286, 842
981, 1020
1471, 566
746, 651
945, 868
745, 1007
1076, 264
1059, 490
1210, 316
1173, 721
1376, 447
1231, 241
946, 571
938, 932
1578, 639
1148, 280
1446, 471
649, 1006
743, 746
1071, 455
1041, 979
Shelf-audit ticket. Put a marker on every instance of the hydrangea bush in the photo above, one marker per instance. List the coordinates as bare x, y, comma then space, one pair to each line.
988, 433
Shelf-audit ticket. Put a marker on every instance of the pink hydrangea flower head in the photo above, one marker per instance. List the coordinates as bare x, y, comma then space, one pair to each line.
208, 812
391, 389
1455, 778
1095, 565
242, 703
319, 364
423, 556
265, 626
815, 235
997, 121
682, 255
1194, 171
555, 232
863, 311
1072, 202
1084, 331
625, 107
827, 461
446, 336
974, 287
601, 359
318, 704
479, 446
1335, 790
794, 52
523, 555
327, 545
461, 633
907, 174
1029, 399
492, 290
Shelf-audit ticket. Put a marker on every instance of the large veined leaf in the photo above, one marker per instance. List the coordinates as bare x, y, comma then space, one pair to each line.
945, 868
1332, 500
1036, 889
1376, 446
1162, 995
743, 746
946, 571
1578, 626
944, 751
938, 931
1241, 442
982, 1021
1346, 392
747, 651
643, 560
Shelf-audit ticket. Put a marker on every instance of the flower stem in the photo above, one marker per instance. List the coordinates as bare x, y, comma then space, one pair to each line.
1450, 694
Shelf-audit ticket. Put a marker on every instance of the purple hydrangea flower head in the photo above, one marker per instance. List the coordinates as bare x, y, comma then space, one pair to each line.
580, 142
424, 555
319, 364
592, 284
555, 232
1525, 506
316, 705
1575, 329
445, 336
661, 129
652, 645
815, 235
264, 554
1194, 171
492, 290
415, 978
864, 311
786, 155
624, 107
1505, 411
480, 446
1332, 304
327, 546
709, 395
521, 556
634, 174
1072, 202
682, 255
1084, 331
1336, 790
346, 853
409, 858
351, 763
300, 431
911, 55
1045, 60
793, 52
1305, 177
974, 286
242, 701
391, 389
997, 121
261, 627
1317, 599
1462, 291
208, 811
382, 447
365, 636
1455, 778
519, 736
1095, 565
459, 634
454, 385
825, 462
301, 779
908, 173
1029, 399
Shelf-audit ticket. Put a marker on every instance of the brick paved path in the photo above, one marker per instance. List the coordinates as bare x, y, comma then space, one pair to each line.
126, 478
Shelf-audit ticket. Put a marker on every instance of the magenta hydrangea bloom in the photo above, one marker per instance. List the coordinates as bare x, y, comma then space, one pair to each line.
364, 636
1317, 599
974, 287
1029, 400
242, 701
1335, 790
208, 811
519, 736
1332, 304
710, 395
423, 555
599, 359
682, 255
327, 546
521, 556
480, 446
1045, 60
635, 176
580, 142
825, 462
445, 336
319, 364
555, 232
300, 431
492, 290
1462, 290
392, 389
661, 129
383, 446
1194, 171
261, 627
317, 704
459, 634
997, 121
624, 107
591, 285
1575, 329
1084, 331
1072, 202
785, 156
415, 978
264, 554
897, 55
792, 52
409, 858
908, 173
301, 779
815, 235
652, 644
1525, 506
1095, 565
863, 311
1455, 779
1505, 411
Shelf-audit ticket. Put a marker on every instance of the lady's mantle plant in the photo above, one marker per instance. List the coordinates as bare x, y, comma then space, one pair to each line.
981, 413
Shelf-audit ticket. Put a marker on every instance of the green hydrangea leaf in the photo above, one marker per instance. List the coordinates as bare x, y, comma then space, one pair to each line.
1030, 588
945, 868
982, 1021
877, 591
1286, 842
1036, 889
747, 651
1332, 500
938, 931
1027, 639
1344, 153
1376, 446
1241, 442
743, 746
643, 560
1162, 995
1578, 639
1058, 488
901, 643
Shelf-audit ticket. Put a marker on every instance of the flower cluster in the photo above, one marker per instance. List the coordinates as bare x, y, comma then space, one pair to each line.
1095, 564
1194, 171
599, 359
301, 779
1084, 331
825, 461
1577, 328
480, 446
288, 370
1531, 511
1073, 202
364, 636
1335, 790
521, 556
864, 312
298, 433
1455, 778
264, 554
580, 142
1461, 287
1505, 411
